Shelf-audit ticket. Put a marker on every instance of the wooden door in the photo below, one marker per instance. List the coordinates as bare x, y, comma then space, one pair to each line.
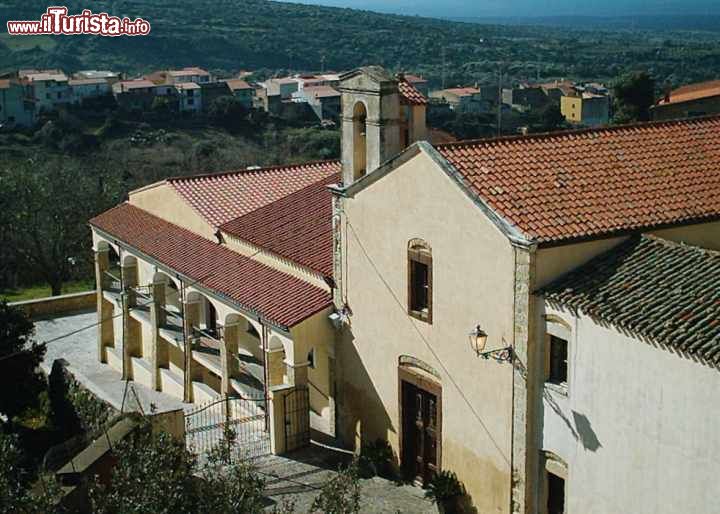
420, 433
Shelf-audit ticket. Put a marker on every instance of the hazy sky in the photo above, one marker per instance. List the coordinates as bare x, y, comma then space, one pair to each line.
471, 8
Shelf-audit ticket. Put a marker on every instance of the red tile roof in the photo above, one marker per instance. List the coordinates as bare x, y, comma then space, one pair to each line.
693, 92
237, 84
280, 298
297, 227
223, 197
589, 183
462, 91
409, 94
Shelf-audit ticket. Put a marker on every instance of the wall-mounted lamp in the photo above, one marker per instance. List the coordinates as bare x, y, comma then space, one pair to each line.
478, 339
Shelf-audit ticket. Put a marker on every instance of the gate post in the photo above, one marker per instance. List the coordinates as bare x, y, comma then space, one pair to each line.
278, 418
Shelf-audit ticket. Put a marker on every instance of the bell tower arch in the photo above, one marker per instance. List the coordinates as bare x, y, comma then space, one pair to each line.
370, 121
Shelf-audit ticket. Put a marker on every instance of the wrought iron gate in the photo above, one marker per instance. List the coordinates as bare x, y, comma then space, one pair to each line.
241, 420
297, 418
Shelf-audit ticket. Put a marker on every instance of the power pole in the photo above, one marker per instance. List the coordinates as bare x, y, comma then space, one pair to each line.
322, 64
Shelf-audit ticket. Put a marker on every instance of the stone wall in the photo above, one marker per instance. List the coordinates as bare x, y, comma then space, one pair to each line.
54, 305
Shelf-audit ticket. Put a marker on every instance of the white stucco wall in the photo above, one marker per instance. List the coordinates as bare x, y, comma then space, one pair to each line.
638, 428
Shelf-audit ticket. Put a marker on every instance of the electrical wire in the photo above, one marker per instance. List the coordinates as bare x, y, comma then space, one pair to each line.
428, 345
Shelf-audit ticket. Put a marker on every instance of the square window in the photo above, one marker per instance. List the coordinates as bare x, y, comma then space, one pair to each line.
558, 365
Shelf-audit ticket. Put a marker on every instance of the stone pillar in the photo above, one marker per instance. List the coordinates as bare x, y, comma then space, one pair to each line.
129, 281
228, 356
191, 312
525, 451
275, 366
157, 319
276, 412
105, 311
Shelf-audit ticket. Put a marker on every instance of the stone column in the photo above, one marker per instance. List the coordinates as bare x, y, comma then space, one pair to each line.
525, 451
126, 338
228, 356
157, 319
191, 312
275, 366
130, 280
104, 308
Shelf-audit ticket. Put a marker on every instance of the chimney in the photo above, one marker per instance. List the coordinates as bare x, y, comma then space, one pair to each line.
667, 94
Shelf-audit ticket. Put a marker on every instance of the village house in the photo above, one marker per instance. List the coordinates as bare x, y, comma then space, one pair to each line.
323, 100
109, 76
190, 97
525, 97
88, 88
585, 108
50, 88
242, 91
17, 104
483, 306
190, 74
689, 101
137, 94
463, 99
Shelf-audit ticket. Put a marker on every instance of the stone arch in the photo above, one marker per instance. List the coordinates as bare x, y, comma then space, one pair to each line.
203, 312
171, 290
359, 143
410, 362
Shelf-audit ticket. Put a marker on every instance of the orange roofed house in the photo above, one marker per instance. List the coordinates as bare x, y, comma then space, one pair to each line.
689, 101
526, 312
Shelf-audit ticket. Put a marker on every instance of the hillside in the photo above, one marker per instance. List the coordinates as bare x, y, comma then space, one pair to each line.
229, 35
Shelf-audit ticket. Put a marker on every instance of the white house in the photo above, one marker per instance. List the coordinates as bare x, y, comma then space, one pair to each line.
50, 87
630, 402
88, 88
190, 96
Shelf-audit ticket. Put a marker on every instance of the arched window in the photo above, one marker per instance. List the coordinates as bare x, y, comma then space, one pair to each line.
419, 267
359, 140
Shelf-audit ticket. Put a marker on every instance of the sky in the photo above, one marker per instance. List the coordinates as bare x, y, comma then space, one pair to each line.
527, 8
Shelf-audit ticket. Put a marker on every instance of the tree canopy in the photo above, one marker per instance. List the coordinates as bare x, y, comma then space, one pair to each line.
20, 356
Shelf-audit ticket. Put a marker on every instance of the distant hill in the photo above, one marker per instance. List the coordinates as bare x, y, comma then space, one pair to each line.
230, 35
661, 23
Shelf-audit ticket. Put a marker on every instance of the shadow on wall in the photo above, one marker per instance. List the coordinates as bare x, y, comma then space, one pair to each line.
362, 415
580, 426
585, 432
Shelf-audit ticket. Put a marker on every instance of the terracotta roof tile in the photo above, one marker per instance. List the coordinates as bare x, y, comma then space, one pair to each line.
665, 291
297, 227
409, 94
222, 197
281, 298
589, 183
693, 92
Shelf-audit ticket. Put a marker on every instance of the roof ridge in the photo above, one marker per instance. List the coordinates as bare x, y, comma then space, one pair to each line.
246, 170
682, 244
299, 192
576, 132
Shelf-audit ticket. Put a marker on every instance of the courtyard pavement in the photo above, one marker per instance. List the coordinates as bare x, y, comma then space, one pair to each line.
79, 350
300, 475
